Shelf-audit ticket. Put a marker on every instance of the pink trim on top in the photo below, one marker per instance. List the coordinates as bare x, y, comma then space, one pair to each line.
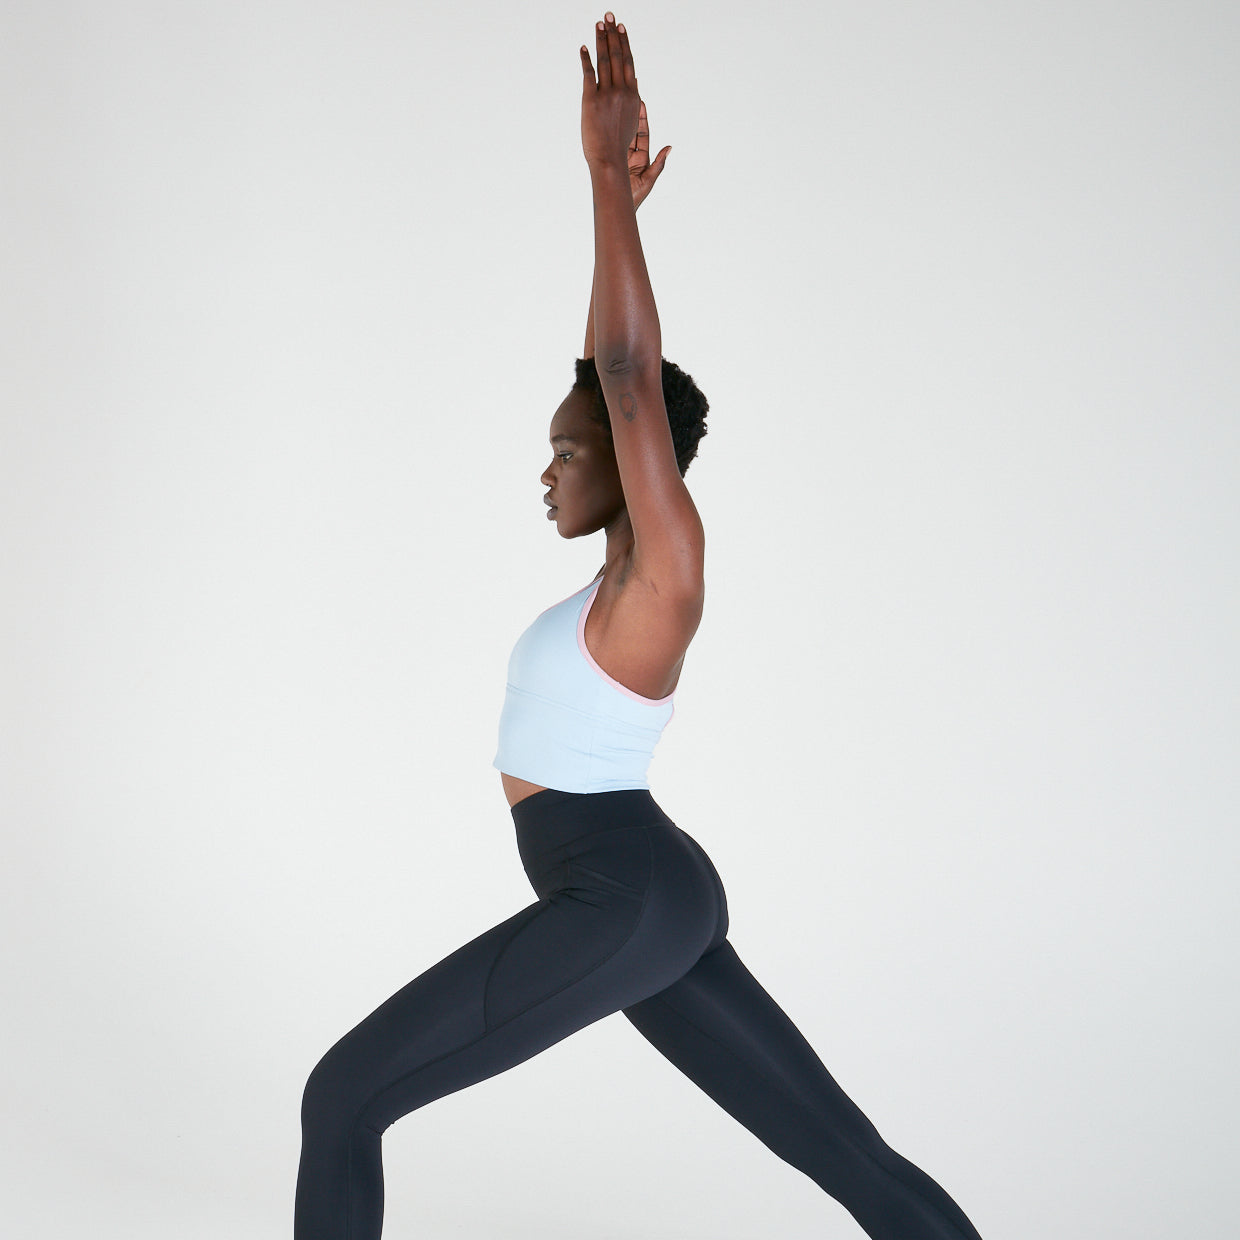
589, 658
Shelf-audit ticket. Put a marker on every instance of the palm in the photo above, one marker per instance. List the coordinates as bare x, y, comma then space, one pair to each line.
642, 173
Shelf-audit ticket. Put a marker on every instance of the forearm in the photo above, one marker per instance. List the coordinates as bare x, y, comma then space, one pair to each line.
625, 321
589, 349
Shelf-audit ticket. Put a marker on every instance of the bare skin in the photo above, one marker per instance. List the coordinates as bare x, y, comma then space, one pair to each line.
646, 610
635, 635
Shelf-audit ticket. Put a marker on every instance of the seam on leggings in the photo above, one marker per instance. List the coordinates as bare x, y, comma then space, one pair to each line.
598, 965
716, 884
487, 1033
787, 1092
486, 985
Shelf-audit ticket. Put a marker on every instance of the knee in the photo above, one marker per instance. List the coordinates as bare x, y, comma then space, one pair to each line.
330, 1094
859, 1168
316, 1091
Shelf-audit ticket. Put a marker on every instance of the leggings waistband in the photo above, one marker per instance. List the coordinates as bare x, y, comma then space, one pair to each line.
549, 819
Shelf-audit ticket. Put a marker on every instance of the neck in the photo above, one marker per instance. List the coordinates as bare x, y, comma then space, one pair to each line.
619, 542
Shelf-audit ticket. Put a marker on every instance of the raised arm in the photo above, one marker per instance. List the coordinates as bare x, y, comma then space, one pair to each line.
667, 530
642, 176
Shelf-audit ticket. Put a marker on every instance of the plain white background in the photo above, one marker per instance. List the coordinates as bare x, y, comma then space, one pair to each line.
290, 294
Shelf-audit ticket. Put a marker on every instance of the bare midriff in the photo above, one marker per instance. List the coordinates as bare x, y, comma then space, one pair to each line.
518, 789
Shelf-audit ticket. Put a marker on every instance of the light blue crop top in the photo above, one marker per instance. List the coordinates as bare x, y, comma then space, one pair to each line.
566, 724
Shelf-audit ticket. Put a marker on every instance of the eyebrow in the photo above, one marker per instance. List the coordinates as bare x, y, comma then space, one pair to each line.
562, 439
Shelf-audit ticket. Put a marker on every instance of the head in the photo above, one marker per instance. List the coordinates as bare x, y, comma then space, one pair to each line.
583, 477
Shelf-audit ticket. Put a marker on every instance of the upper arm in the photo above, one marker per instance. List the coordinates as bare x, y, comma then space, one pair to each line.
669, 541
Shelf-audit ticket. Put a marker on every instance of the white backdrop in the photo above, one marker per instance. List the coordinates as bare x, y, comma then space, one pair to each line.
290, 294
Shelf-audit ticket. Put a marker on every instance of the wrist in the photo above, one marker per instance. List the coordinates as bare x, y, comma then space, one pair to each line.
605, 168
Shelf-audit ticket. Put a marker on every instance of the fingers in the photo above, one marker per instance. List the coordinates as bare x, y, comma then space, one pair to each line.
625, 57
657, 167
641, 139
587, 70
614, 56
602, 54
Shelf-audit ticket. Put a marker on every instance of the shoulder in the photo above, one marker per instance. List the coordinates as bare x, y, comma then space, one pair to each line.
638, 629
666, 600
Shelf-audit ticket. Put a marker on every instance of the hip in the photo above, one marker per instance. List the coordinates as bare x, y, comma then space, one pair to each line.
619, 851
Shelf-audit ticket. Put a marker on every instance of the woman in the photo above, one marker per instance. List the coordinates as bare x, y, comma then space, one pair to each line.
631, 915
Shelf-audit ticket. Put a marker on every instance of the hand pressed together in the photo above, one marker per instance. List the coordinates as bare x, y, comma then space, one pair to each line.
610, 105
642, 173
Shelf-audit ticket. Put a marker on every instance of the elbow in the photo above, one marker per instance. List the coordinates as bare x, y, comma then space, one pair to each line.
618, 363
622, 363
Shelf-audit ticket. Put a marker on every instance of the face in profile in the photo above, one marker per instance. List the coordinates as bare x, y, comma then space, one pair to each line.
583, 479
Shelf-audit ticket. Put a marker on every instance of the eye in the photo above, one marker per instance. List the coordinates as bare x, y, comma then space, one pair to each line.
564, 455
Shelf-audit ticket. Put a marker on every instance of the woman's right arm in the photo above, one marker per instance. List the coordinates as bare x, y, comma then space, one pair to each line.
589, 350
642, 176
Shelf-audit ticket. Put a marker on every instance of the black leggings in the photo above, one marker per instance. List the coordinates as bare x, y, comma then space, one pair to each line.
631, 916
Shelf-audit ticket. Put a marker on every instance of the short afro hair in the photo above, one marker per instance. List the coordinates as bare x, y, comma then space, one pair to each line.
686, 406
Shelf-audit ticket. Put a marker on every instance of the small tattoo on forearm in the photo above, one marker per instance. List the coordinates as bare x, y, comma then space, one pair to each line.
628, 406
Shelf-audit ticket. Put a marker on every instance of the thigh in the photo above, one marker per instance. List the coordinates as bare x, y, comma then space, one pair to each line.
439, 1011
722, 1029
725, 1032
586, 950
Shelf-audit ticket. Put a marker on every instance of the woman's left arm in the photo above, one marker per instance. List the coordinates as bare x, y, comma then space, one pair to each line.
642, 176
628, 346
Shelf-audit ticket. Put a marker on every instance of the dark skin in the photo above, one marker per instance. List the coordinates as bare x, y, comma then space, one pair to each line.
649, 603
584, 477
669, 547
584, 482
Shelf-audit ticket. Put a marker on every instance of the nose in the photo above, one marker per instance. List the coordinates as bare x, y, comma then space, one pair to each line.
546, 478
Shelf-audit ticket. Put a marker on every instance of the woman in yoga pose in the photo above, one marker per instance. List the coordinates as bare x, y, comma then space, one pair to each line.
631, 915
